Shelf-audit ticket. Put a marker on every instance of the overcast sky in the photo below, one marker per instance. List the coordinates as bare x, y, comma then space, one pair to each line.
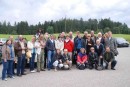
34, 11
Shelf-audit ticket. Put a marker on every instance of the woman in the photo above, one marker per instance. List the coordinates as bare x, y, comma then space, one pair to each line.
59, 44
31, 47
5, 57
89, 44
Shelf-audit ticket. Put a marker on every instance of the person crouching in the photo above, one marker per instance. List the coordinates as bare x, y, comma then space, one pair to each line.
66, 60
82, 59
58, 60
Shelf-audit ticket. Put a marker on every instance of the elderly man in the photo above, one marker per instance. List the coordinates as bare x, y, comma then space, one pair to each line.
111, 42
109, 59
20, 48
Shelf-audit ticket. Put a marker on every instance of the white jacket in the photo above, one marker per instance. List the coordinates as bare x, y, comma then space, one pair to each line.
30, 46
38, 50
59, 45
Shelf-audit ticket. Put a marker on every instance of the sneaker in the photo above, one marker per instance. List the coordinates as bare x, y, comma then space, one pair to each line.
33, 71
113, 68
4, 79
13, 77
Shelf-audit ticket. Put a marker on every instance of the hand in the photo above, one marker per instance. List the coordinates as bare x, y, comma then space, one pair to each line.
5, 60
100, 57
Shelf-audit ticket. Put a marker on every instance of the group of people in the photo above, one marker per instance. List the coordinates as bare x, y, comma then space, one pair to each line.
87, 51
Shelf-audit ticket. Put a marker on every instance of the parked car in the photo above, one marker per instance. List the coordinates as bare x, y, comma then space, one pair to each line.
2, 41
121, 42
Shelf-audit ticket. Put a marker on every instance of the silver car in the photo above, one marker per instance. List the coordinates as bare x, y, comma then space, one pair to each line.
2, 41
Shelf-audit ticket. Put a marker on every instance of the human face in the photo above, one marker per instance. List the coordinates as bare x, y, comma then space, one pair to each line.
107, 49
58, 51
9, 42
98, 42
82, 50
33, 39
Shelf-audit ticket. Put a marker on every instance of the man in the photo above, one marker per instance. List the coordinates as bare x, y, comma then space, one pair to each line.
99, 49
100, 37
50, 45
20, 52
111, 43
93, 37
82, 59
85, 35
92, 58
109, 59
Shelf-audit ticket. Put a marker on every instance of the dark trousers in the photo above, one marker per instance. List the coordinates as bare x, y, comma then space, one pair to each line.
113, 64
4, 70
32, 62
93, 63
21, 64
10, 68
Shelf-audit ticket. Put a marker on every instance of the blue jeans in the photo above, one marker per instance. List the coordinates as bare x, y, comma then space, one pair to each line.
5, 67
21, 64
10, 68
50, 59
32, 61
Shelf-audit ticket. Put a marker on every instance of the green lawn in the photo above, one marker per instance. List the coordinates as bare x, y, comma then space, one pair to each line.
126, 36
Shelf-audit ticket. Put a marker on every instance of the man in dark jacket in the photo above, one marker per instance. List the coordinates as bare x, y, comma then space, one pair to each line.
109, 59
92, 59
50, 45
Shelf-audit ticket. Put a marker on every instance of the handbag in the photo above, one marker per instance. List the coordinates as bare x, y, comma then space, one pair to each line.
28, 54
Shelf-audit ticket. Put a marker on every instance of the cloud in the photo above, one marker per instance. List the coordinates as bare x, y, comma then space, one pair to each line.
34, 11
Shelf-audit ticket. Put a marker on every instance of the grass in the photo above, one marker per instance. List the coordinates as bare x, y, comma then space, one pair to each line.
126, 36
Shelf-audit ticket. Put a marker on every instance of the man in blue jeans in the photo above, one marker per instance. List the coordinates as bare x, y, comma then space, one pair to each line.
20, 48
50, 45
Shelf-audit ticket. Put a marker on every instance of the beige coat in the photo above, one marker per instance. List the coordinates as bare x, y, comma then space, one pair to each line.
5, 52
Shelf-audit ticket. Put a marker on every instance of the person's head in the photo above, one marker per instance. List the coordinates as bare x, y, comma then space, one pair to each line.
11, 38
41, 37
39, 30
24, 40
98, 42
89, 36
92, 33
52, 37
33, 39
106, 35
92, 49
59, 38
63, 34
79, 36
67, 37
99, 34
82, 50
109, 33
85, 33
65, 51
8, 42
77, 33
107, 49
70, 33
58, 51
20, 37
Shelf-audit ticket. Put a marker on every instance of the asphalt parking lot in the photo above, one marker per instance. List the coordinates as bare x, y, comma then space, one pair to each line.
77, 78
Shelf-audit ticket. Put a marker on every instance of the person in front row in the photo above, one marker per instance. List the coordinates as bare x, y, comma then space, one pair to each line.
109, 59
82, 59
92, 59
66, 60
58, 60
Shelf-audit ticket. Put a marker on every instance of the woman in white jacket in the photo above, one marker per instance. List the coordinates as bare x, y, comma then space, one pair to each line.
59, 44
31, 46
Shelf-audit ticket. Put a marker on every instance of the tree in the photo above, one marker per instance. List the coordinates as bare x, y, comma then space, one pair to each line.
50, 30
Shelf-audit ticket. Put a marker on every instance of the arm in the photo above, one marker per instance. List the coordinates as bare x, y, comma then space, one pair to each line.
79, 59
85, 58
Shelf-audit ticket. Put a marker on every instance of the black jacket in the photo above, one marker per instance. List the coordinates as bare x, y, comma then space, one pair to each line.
99, 50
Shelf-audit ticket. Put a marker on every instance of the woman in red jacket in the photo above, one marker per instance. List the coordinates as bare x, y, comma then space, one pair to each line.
82, 59
69, 45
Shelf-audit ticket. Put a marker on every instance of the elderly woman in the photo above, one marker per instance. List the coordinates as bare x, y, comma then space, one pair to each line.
6, 55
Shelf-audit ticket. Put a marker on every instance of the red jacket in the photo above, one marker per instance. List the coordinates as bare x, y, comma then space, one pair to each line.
82, 58
69, 45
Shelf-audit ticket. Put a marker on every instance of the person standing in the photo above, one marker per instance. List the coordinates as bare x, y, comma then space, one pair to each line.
20, 48
59, 44
111, 43
69, 45
5, 57
50, 45
32, 48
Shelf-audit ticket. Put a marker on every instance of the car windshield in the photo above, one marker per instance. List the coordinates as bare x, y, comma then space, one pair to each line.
4, 39
120, 39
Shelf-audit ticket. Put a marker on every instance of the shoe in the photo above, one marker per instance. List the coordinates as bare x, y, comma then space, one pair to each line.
19, 75
12, 77
55, 70
113, 68
4, 79
38, 70
43, 70
23, 74
33, 71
